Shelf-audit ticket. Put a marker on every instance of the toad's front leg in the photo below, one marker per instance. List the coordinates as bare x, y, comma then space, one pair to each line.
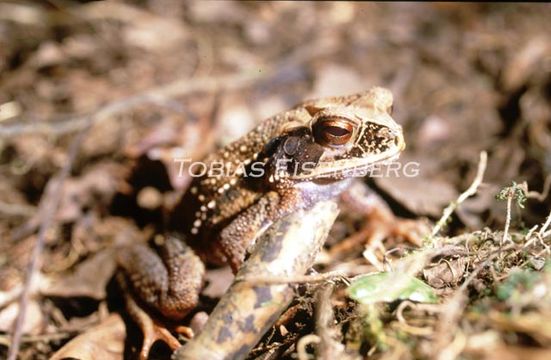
236, 238
166, 283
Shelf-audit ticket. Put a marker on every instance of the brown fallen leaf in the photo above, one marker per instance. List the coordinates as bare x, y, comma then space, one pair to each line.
421, 194
88, 280
104, 341
445, 273
94, 188
470, 211
524, 63
34, 320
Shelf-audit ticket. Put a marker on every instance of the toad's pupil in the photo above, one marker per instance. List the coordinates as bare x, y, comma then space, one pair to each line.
332, 133
336, 131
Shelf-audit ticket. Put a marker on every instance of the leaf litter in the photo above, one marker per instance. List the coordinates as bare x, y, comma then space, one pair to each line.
466, 78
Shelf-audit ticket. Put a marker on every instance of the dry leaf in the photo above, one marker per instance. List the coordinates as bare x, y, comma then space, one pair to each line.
104, 341
446, 273
421, 195
33, 318
89, 279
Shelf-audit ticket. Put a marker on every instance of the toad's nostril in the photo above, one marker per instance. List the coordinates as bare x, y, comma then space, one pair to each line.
399, 141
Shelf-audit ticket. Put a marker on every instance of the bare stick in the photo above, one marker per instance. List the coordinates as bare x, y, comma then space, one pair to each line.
16, 210
297, 279
507, 221
330, 346
168, 91
545, 226
448, 211
286, 250
48, 208
160, 93
541, 196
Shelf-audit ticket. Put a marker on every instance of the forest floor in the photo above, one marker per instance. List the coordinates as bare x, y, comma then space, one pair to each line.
95, 96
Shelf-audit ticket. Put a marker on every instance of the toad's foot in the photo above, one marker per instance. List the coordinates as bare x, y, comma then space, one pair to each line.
166, 281
152, 331
381, 223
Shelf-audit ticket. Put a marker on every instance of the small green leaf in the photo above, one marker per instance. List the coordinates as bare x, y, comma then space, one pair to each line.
389, 287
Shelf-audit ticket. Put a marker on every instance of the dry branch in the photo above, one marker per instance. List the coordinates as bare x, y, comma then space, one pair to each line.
48, 208
287, 250
448, 211
166, 92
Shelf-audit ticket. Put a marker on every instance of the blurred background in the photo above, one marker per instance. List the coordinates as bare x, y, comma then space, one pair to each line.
465, 77
151, 76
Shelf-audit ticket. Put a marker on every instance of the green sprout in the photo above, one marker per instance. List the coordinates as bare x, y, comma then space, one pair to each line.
516, 192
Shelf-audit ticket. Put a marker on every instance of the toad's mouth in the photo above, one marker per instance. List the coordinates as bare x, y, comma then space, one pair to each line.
348, 168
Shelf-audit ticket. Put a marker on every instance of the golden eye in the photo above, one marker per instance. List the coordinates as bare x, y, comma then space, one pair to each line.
333, 132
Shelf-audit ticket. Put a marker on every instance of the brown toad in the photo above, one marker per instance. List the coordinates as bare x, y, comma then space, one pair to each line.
288, 162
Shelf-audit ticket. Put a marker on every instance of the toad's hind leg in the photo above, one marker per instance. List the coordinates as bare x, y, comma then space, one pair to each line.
167, 282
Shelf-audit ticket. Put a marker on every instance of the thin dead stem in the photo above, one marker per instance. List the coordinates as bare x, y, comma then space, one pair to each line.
330, 346
304, 341
158, 94
166, 92
48, 208
448, 211
298, 279
543, 229
541, 196
16, 210
507, 222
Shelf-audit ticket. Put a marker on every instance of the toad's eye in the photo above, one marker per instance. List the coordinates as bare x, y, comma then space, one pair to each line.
333, 132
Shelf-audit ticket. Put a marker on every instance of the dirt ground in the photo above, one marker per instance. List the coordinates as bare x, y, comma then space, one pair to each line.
97, 97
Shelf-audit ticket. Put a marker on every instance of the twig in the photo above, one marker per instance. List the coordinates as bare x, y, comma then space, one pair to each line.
48, 209
507, 222
157, 94
303, 343
545, 191
168, 91
297, 279
16, 210
288, 249
330, 346
418, 331
545, 226
448, 211
7, 297
44, 338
